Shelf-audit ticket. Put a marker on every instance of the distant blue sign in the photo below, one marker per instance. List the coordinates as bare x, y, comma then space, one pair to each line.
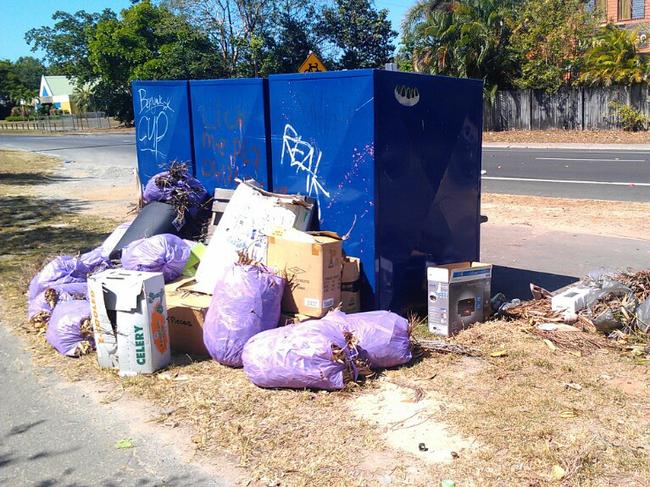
162, 126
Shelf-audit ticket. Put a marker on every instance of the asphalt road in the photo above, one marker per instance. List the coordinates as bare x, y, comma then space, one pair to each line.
118, 149
590, 174
54, 434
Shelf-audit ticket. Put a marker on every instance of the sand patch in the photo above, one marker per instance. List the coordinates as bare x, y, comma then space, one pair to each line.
412, 426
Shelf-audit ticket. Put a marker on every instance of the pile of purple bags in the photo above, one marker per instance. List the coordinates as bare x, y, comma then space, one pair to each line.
241, 324
319, 354
241, 329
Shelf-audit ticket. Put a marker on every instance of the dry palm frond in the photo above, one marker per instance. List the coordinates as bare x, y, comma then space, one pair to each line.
39, 322
638, 282
51, 297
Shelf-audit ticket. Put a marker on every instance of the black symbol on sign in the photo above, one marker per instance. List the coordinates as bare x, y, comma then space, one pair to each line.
312, 68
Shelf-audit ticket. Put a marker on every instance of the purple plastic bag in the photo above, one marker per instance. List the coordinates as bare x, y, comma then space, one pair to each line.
245, 302
383, 338
63, 292
298, 356
64, 329
95, 260
164, 253
167, 186
60, 270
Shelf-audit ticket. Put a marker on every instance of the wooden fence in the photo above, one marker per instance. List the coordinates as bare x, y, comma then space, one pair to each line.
63, 123
569, 108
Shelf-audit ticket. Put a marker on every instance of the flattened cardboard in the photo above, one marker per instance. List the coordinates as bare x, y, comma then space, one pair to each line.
186, 315
250, 216
312, 263
459, 295
129, 318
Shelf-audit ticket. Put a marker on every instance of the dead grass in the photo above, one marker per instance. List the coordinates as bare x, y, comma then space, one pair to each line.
515, 406
568, 136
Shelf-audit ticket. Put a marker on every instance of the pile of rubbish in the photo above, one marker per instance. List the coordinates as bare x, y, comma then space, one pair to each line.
148, 291
603, 303
58, 297
257, 290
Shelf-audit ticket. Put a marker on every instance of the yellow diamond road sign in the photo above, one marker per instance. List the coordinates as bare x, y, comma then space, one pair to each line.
312, 64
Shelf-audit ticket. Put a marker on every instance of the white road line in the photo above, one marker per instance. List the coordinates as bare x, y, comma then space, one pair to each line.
566, 181
589, 160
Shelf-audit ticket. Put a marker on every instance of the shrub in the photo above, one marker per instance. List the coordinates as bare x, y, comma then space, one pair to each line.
628, 118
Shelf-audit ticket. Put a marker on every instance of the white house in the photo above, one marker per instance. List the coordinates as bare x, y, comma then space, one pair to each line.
57, 91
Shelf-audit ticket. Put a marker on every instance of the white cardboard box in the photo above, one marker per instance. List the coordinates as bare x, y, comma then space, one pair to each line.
250, 216
129, 317
575, 298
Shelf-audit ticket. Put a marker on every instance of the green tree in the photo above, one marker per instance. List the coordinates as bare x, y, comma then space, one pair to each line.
147, 42
29, 71
464, 38
614, 58
550, 42
66, 42
236, 27
18, 84
361, 35
292, 34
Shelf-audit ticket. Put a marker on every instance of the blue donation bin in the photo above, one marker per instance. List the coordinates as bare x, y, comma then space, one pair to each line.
394, 160
162, 126
229, 119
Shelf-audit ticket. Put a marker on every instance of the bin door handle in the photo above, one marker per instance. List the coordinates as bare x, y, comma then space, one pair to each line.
407, 96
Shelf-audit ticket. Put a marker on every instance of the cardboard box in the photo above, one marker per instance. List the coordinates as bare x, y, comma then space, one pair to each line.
459, 295
312, 263
250, 216
351, 285
186, 315
129, 317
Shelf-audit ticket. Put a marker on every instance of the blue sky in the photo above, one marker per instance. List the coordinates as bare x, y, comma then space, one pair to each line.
21, 15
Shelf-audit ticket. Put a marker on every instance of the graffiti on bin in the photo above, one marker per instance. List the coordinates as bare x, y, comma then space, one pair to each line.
234, 155
304, 157
153, 123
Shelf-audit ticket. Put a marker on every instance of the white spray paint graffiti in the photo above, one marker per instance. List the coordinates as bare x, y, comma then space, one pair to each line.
153, 123
301, 155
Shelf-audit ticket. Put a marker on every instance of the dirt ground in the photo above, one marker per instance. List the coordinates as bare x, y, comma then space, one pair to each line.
519, 412
568, 136
594, 217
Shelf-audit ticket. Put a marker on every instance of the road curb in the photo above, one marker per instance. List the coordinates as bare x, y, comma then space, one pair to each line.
567, 146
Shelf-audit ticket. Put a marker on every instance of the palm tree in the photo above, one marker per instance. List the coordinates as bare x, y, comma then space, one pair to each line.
82, 97
614, 58
465, 38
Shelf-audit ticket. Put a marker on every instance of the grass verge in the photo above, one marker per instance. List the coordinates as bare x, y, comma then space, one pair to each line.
534, 415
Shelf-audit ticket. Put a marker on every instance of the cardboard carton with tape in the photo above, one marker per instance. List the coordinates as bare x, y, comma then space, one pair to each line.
312, 262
